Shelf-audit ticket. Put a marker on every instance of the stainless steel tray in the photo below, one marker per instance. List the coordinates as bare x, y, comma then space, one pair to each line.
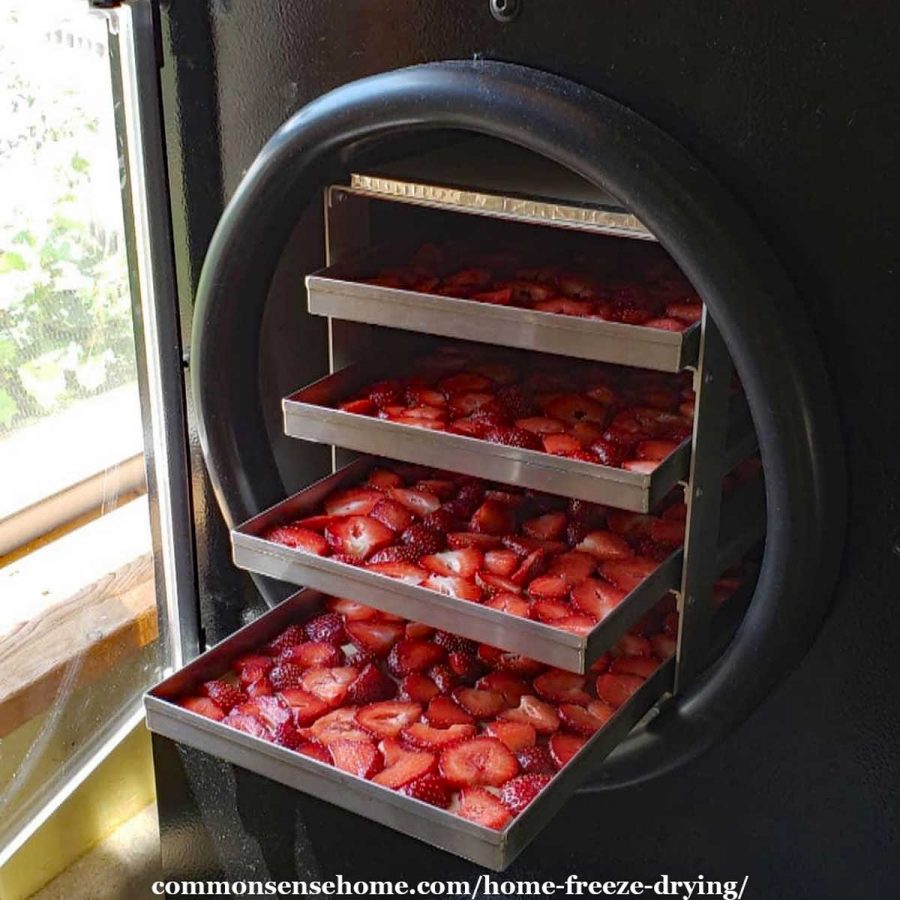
310, 414
485, 846
336, 291
472, 620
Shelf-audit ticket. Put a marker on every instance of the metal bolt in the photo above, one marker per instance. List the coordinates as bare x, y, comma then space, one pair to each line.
505, 10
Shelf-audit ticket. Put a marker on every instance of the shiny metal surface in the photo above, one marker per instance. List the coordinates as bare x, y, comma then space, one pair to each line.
310, 414
490, 848
333, 292
534, 639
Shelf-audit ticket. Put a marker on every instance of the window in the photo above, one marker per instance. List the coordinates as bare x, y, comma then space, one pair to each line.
84, 619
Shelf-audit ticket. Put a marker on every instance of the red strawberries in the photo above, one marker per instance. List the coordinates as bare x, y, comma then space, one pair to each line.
441, 719
608, 415
564, 563
633, 286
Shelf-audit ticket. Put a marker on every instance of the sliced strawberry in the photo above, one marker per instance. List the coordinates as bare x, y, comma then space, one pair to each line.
530, 567
541, 425
536, 760
384, 479
500, 562
338, 725
422, 540
360, 758
250, 673
376, 638
559, 686
631, 644
414, 656
298, 538
350, 610
497, 584
463, 382
314, 750
328, 628
356, 501
430, 789
292, 636
406, 768
454, 642
306, 707
608, 453
617, 689
315, 523
203, 706
418, 631
597, 598
580, 625
480, 761
493, 517
550, 611
481, 703
358, 536
605, 545
560, 444
643, 466
383, 393
363, 406
518, 792
483, 808
464, 563
392, 749
564, 745
388, 718
574, 566
533, 712
253, 659
262, 687
586, 433
601, 711
511, 688
407, 572
453, 586
248, 724
419, 503
425, 412
627, 573
513, 437
286, 675
515, 735
548, 527
415, 422
370, 686
428, 737
642, 666
312, 654
443, 678
328, 684
685, 310
464, 666
512, 604
630, 525
505, 661
579, 720
549, 586
442, 712
441, 521
226, 696
393, 514
418, 687
664, 646
472, 402
460, 539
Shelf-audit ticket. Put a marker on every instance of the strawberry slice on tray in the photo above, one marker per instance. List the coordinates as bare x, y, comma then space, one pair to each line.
611, 416
566, 564
464, 727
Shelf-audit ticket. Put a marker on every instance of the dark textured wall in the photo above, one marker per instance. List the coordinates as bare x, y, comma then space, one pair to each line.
796, 108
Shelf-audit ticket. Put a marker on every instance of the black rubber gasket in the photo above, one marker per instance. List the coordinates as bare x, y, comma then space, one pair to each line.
707, 233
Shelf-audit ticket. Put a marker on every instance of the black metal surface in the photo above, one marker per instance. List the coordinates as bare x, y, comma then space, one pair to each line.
796, 111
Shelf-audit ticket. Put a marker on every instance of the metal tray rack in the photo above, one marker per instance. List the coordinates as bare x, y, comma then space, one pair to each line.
338, 291
530, 638
438, 827
312, 414
719, 533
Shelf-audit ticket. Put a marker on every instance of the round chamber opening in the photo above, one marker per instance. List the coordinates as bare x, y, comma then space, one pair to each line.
701, 233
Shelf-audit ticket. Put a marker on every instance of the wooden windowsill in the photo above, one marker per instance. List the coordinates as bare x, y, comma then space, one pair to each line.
88, 596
